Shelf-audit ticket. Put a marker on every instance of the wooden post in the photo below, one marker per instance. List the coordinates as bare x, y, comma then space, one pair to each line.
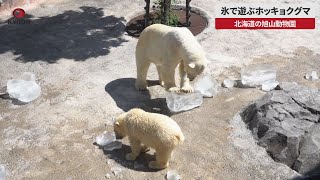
147, 15
188, 14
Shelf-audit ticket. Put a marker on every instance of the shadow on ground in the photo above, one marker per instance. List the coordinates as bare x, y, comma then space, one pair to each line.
142, 160
76, 35
14, 101
127, 97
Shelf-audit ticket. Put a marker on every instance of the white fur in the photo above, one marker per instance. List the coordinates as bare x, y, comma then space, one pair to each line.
153, 130
167, 47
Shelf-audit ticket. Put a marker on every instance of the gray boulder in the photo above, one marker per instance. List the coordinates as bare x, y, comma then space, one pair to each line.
282, 121
306, 97
309, 158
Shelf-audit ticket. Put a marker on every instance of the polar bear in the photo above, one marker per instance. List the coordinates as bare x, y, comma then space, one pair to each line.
167, 47
149, 130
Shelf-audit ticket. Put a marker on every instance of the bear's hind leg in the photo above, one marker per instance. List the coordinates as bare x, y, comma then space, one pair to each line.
162, 159
135, 149
142, 70
160, 75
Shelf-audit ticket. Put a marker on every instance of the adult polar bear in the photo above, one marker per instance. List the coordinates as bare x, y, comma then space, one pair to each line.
167, 47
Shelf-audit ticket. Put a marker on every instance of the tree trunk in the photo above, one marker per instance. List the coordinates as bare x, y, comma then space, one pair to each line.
166, 11
188, 15
147, 14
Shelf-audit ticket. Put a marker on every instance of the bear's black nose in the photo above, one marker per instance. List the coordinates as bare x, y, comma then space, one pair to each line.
118, 137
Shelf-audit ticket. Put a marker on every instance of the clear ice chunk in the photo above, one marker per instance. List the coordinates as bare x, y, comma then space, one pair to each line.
173, 175
256, 75
105, 138
116, 170
24, 91
2, 172
228, 83
206, 85
312, 76
177, 102
268, 86
113, 145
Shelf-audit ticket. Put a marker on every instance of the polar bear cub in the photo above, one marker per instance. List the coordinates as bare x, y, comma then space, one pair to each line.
167, 47
149, 130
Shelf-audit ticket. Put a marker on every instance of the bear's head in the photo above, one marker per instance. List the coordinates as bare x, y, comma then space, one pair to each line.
119, 126
194, 69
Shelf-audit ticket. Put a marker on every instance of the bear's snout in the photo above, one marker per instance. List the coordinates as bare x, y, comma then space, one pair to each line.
118, 136
191, 77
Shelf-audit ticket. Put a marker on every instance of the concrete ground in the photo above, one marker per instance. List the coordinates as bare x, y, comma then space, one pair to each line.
85, 65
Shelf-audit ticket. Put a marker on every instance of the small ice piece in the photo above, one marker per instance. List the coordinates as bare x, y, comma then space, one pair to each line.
256, 75
228, 83
110, 161
183, 102
108, 176
24, 91
206, 85
105, 138
28, 76
268, 86
116, 170
113, 145
2, 172
173, 175
230, 99
307, 76
312, 76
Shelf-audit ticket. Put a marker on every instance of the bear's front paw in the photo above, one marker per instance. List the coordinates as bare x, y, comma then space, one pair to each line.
144, 149
131, 157
174, 90
156, 165
187, 89
161, 83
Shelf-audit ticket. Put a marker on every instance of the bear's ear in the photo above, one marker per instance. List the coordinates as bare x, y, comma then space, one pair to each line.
192, 65
117, 123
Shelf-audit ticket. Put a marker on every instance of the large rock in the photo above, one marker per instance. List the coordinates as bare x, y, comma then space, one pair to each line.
309, 158
282, 121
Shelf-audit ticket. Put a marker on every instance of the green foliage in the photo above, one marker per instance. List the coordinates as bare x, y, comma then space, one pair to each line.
173, 19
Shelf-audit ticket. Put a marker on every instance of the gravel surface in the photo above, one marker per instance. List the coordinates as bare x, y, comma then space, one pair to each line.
85, 64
